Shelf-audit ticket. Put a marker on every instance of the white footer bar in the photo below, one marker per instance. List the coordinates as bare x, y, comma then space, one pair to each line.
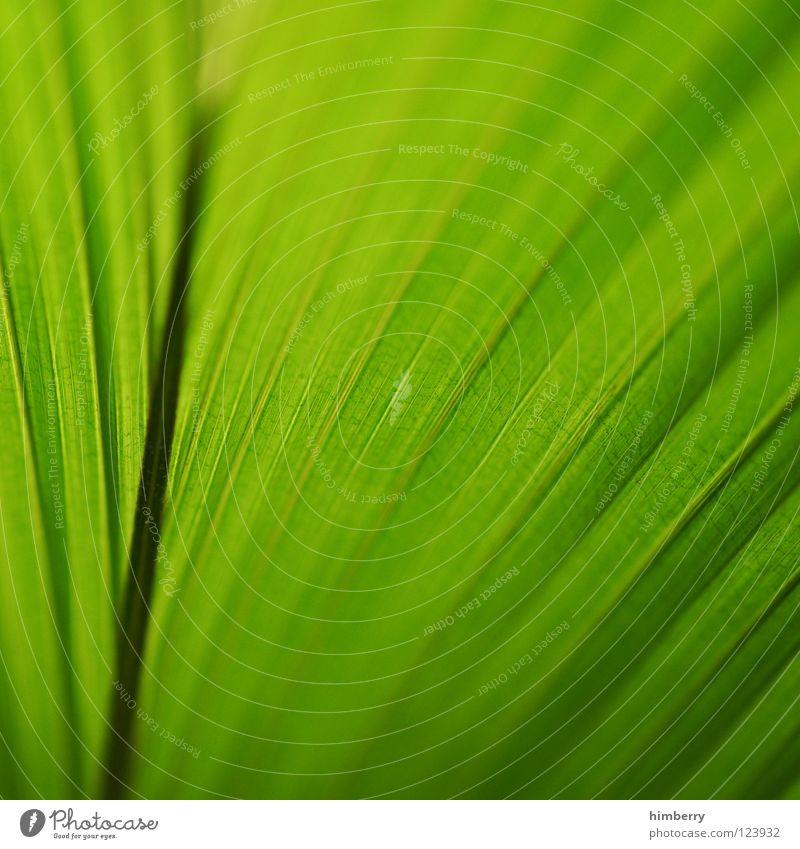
415, 824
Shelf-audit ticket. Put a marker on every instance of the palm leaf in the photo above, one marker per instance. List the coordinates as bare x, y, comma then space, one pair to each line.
421, 380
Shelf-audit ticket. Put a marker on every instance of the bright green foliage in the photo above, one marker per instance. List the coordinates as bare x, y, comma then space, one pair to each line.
484, 478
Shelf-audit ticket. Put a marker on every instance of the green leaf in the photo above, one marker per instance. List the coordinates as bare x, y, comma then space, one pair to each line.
420, 381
